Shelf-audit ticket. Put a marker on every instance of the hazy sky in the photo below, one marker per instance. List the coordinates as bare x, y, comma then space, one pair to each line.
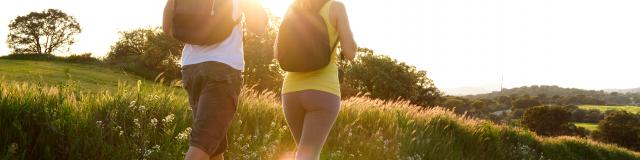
591, 44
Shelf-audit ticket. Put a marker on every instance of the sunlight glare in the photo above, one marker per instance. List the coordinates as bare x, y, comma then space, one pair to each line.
277, 7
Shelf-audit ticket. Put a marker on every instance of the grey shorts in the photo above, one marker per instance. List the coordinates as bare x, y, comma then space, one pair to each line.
213, 90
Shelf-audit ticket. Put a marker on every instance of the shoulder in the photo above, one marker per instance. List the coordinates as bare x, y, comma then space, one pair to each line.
337, 7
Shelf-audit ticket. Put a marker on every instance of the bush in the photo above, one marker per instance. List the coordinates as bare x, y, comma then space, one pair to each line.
82, 58
147, 52
388, 79
620, 127
547, 120
34, 57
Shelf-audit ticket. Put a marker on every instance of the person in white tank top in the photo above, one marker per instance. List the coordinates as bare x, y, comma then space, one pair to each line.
211, 71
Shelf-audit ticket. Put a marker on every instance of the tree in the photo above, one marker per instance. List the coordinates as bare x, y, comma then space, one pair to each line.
147, 52
261, 70
458, 104
42, 32
547, 120
385, 78
620, 127
524, 103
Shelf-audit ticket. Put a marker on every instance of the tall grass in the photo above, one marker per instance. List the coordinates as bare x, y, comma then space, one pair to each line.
145, 121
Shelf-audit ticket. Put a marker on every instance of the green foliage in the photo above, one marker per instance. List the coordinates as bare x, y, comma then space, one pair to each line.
42, 32
620, 127
152, 122
42, 122
525, 103
147, 52
261, 69
547, 120
563, 96
385, 78
84, 58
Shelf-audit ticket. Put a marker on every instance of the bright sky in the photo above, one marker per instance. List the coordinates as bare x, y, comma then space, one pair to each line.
591, 44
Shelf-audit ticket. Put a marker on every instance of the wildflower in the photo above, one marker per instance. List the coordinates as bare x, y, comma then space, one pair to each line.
273, 124
136, 122
99, 124
121, 133
168, 119
13, 148
142, 108
154, 121
184, 134
156, 147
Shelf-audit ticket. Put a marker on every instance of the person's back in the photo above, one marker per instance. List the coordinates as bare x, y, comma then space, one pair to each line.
211, 71
311, 100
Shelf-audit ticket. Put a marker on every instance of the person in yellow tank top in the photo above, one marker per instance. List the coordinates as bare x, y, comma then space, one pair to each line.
311, 100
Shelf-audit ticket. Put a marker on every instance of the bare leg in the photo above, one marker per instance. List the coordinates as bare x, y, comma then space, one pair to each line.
218, 157
195, 153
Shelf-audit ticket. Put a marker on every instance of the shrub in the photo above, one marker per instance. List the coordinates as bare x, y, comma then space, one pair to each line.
620, 127
547, 120
82, 58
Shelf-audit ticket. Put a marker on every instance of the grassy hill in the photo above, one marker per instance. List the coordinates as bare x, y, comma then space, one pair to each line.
46, 119
88, 78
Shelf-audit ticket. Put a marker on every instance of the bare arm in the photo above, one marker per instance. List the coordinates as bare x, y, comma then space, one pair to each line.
349, 46
256, 16
167, 18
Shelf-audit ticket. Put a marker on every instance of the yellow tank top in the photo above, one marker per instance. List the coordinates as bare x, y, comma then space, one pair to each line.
325, 79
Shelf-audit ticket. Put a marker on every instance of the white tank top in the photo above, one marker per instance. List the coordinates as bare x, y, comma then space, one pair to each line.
229, 51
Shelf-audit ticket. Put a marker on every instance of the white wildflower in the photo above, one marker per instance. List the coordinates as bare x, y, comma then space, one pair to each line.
99, 124
184, 134
154, 122
168, 119
136, 122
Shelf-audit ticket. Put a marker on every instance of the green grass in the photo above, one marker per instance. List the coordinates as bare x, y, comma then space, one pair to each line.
588, 126
149, 121
87, 78
631, 109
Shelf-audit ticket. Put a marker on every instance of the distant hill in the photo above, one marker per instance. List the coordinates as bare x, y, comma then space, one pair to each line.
633, 90
463, 91
560, 95
536, 90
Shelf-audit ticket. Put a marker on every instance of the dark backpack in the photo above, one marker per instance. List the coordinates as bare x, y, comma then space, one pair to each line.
303, 41
194, 23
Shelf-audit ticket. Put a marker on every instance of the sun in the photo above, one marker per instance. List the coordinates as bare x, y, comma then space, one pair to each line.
277, 7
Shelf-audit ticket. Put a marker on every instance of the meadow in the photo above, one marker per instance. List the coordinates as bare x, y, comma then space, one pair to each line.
588, 126
631, 109
145, 120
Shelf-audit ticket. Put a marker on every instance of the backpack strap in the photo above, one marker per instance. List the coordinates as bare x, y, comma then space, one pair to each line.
326, 8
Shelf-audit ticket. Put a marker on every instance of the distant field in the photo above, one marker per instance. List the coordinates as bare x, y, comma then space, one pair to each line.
632, 109
588, 126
